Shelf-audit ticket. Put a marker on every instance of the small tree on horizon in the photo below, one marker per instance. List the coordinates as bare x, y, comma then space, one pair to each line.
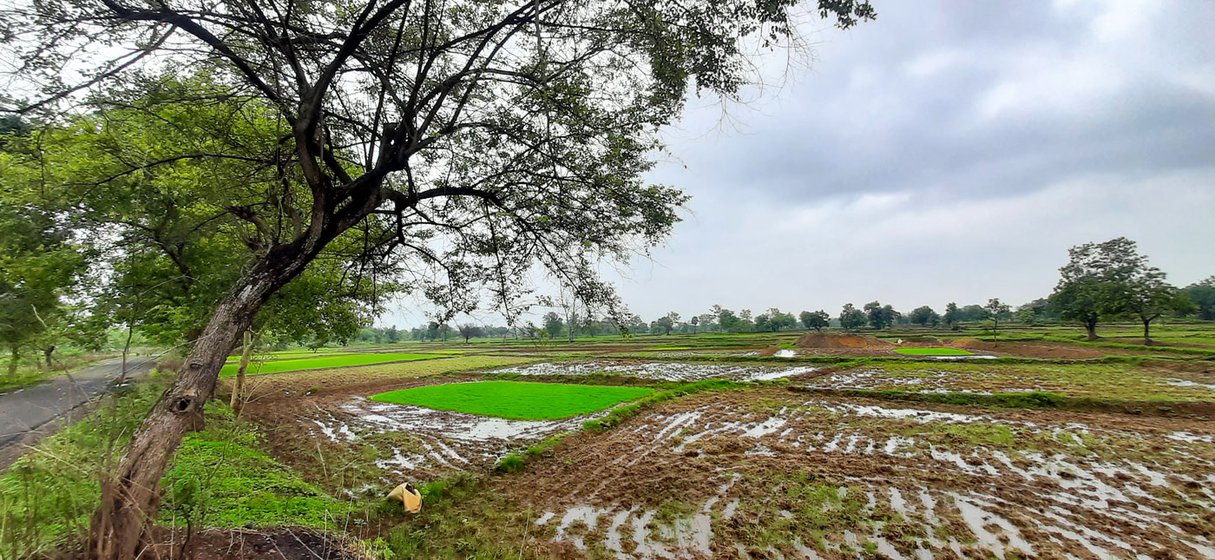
995, 310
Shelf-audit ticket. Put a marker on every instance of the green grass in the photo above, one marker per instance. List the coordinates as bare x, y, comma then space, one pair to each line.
324, 362
222, 479
219, 478
269, 356
933, 352
515, 399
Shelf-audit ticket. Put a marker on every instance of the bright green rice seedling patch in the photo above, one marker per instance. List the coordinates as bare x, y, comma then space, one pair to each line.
933, 352
514, 399
324, 362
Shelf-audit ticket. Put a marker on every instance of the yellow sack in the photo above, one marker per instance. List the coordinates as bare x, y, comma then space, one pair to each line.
408, 496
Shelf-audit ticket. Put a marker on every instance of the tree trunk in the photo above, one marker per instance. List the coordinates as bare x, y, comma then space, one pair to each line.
237, 390
12, 364
120, 527
126, 350
47, 353
1091, 328
1147, 325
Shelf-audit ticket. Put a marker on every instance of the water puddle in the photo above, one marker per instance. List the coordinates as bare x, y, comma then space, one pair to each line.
665, 371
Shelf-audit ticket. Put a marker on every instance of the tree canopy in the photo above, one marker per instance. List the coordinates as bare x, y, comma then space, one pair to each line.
462, 141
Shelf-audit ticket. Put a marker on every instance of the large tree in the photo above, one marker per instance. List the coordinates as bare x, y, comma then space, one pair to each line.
478, 137
1094, 282
815, 320
924, 316
39, 262
1147, 296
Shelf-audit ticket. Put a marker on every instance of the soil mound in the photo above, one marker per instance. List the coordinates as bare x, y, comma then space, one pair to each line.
1059, 351
834, 341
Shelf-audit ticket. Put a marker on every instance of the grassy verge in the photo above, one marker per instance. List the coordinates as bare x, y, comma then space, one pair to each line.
219, 479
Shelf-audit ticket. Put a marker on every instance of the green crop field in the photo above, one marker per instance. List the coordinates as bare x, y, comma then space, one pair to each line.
283, 355
933, 352
323, 362
515, 399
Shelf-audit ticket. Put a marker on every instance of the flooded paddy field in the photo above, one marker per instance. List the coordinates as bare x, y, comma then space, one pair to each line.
661, 371
767, 474
1133, 381
784, 470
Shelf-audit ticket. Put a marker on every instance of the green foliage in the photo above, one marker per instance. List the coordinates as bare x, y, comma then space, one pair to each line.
817, 320
1106, 279
852, 318
924, 316
515, 399
40, 263
511, 462
1202, 295
165, 172
553, 324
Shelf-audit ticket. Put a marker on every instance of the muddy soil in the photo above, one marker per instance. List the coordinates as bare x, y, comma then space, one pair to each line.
1035, 350
354, 446
770, 474
832, 341
281, 544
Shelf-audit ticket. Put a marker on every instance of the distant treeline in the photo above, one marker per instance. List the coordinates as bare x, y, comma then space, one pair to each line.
1101, 282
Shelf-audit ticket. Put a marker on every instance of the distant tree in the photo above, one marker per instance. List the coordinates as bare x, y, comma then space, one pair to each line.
763, 323
880, 316
553, 324
972, 312
726, 319
664, 324
1148, 296
951, 315
633, 324
746, 321
469, 331
924, 316
674, 318
392, 335
1035, 312
779, 320
708, 322
851, 318
1202, 294
1095, 282
695, 321
816, 320
996, 310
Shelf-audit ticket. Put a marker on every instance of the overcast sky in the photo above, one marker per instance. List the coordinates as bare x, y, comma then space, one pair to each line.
948, 151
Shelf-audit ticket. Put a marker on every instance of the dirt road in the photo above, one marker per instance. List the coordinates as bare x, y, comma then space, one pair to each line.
24, 413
